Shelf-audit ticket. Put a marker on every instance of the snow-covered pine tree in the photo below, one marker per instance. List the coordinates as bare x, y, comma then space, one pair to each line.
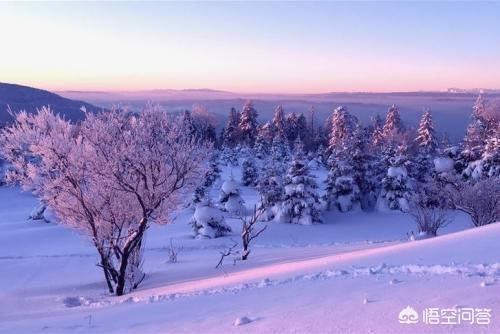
208, 221
377, 133
483, 125
341, 130
188, 124
396, 186
393, 127
247, 127
230, 199
262, 142
279, 122
249, 172
291, 127
230, 131
491, 155
280, 149
427, 145
303, 131
271, 189
341, 190
475, 138
301, 202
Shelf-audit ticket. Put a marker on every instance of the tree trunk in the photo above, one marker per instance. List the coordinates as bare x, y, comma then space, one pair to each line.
129, 247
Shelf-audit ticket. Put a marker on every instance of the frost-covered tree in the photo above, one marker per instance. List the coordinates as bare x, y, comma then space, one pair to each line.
291, 127
249, 172
300, 205
230, 199
230, 131
208, 221
247, 126
109, 177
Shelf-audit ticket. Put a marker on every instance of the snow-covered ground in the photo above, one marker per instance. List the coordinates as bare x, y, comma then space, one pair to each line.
354, 273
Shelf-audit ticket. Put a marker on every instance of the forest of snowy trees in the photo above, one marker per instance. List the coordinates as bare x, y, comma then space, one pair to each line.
114, 173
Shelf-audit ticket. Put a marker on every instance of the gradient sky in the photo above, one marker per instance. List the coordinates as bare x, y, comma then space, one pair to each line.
251, 47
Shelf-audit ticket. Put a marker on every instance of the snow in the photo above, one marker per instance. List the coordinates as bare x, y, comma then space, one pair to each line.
354, 273
396, 172
443, 164
230, 187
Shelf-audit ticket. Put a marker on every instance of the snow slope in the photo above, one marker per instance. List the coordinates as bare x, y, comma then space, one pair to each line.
354, 273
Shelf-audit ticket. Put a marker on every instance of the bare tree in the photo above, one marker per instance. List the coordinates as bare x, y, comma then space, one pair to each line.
249, 231
228, 252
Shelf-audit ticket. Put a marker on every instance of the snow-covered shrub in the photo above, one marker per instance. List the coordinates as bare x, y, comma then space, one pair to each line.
396, 187
426, 210
249, 172
208, 221
480, 200
301, 203
229, 198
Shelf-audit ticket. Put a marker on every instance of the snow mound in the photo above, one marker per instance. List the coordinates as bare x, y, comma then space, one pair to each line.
443, 164
230, 187
242, 321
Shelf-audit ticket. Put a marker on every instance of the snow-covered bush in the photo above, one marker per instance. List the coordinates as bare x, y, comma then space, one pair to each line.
229, 198
427, 211
208, 221
480, 200
301, 203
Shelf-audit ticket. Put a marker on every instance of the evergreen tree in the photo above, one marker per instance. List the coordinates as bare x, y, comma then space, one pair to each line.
230, 131
300, 205
208, 221
188, 124
427, 145
396, 186
271, 189
262, 142
341, 131
279, 122
291, 127
249, 172
229, 198
475, 139
393, 127
377, 136
247, 127
426, 135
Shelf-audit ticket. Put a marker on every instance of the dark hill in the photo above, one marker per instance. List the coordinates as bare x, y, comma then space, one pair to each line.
19, 97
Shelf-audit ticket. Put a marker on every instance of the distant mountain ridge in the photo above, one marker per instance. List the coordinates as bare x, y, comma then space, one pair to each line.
18, 97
